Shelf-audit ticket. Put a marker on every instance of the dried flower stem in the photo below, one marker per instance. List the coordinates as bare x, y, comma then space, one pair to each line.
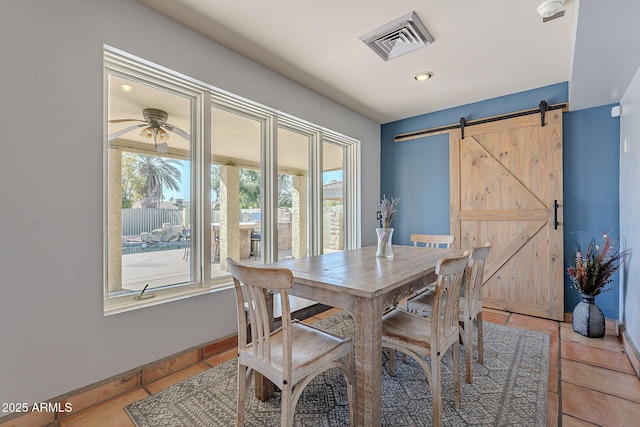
387, 211
593, 269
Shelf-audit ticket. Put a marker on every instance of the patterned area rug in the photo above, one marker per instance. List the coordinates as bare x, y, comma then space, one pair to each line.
509, 389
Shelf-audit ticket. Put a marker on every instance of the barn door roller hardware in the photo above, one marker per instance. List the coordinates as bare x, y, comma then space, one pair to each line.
543, 107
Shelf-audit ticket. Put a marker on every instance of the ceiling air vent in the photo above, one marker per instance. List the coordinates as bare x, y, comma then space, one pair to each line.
398, 37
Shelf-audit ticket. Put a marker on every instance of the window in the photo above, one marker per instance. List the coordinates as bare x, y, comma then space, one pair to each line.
185, 190
294, 146
333, 238
236, 192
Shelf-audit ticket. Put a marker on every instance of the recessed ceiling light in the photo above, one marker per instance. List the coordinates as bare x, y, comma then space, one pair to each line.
126, 88
424, 76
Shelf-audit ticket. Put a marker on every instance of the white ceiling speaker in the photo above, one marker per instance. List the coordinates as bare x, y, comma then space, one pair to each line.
549, 8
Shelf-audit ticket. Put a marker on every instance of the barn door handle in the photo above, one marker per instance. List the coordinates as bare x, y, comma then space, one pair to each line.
555, 214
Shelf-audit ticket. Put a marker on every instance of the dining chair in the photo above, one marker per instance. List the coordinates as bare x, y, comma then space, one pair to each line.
470, 305
439, 241
290, 356
432, 336
443, 241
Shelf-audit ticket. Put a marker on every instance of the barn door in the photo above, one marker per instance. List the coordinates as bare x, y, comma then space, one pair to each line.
505, 177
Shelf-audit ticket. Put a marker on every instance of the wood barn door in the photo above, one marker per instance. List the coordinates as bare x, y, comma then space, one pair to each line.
505, 177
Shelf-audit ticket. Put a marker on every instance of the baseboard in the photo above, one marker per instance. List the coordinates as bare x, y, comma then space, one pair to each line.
94, 394
631, 350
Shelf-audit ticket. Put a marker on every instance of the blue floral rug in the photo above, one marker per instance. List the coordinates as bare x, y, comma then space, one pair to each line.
509, 389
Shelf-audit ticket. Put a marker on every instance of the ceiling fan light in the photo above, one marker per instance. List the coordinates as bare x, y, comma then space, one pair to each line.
147, 132
162, 135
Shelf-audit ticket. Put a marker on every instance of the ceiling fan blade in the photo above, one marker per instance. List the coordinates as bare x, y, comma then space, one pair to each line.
126, 120
177, 131
125, 130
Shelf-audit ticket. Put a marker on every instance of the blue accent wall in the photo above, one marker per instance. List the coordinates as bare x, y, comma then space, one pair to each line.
417, 172
591, 162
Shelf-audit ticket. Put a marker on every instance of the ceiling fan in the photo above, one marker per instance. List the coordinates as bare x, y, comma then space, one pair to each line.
154, 126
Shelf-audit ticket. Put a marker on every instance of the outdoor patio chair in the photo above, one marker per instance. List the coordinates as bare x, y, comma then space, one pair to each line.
215, 254
255, 244
186, 234
432, 336
290, 356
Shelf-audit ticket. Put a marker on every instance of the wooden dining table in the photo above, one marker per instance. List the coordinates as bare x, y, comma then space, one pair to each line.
364, 285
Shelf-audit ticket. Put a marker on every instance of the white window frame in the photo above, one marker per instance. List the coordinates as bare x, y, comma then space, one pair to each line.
205, 96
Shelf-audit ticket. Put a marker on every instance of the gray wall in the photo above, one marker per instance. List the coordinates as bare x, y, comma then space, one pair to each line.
55, 338
630, 207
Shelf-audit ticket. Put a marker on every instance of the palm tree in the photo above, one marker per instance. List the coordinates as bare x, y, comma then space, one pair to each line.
285, 190
158, 173
250, 187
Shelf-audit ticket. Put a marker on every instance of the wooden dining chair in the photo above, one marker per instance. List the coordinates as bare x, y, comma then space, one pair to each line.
290, 356
431, 336
470, 305
443, 241
439, 241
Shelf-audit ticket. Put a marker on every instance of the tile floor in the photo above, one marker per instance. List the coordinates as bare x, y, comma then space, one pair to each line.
591, 381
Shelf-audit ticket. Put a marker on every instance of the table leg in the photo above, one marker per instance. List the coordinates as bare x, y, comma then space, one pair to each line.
264, 389
368, 362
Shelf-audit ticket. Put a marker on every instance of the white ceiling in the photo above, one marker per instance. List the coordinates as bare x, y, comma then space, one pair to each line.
482, 49
606, 54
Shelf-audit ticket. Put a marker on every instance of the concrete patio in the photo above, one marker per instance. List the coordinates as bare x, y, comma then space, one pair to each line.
162, 268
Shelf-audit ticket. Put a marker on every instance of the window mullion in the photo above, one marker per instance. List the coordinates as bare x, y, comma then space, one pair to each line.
315, 245
352, 205
270, 190
203, 186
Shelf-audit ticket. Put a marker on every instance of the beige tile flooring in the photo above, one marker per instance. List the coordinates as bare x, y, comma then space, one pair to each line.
591, 381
